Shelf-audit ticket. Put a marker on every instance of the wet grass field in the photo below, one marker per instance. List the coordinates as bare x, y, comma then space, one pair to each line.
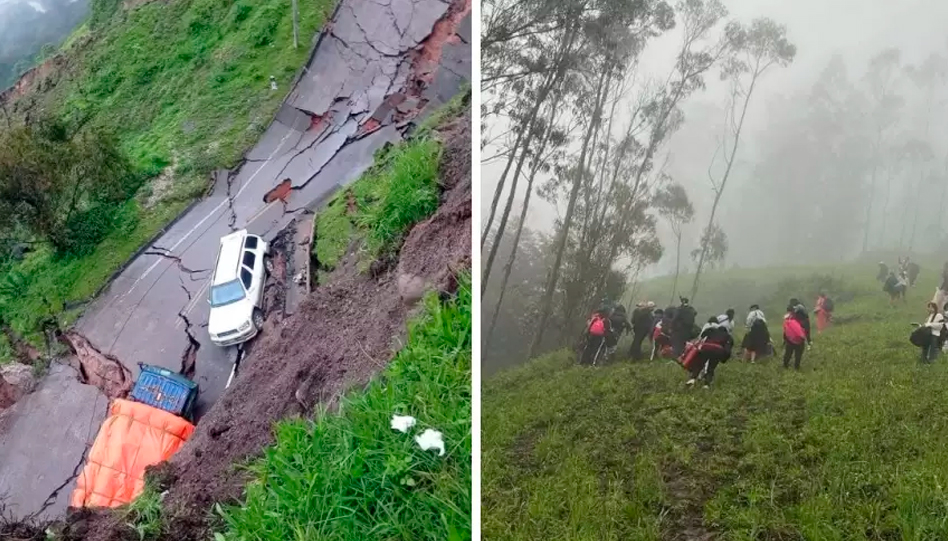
854, 446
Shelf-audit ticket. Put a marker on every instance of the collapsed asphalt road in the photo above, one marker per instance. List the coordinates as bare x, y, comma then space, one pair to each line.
380, 66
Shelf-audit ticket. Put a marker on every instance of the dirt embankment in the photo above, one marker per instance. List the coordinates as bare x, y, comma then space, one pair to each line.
342, 334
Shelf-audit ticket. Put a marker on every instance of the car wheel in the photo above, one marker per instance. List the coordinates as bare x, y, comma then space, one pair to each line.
258, 319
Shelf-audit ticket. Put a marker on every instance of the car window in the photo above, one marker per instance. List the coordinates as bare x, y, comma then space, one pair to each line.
226, 293
246, 277
251, 242
249, 259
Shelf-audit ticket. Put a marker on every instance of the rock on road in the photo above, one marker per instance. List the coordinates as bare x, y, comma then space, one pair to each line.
378, 66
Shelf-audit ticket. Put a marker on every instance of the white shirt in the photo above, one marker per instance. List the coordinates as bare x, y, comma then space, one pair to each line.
754, 316
723, 321
935, 322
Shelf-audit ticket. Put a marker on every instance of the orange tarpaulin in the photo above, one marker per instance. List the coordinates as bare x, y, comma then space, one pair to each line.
132, 437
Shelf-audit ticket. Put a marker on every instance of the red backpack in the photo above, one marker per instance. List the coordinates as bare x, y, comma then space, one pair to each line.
793, 331
597, 327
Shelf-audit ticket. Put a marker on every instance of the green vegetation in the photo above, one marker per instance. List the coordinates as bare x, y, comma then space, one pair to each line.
455, 107
400, 190
184, 88
851, 447
144, 514
350, 476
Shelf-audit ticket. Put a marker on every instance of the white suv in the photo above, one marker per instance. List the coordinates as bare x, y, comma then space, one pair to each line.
236, 294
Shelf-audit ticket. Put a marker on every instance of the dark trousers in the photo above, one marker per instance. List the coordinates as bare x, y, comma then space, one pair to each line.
930, 352
702, 360
594, 345
678, 340
636, 351
792, 349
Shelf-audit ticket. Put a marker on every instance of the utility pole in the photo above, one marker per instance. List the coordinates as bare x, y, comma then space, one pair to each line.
296, 25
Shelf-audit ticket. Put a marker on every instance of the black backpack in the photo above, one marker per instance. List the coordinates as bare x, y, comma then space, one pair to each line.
921, 336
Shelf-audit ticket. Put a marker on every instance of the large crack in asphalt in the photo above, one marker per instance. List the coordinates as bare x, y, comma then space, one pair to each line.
101, 370
189, 356
177, 260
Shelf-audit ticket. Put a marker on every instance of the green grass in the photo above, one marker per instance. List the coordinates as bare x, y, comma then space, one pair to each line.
852, 447
184, 82
400, 190
349, 476
144, 514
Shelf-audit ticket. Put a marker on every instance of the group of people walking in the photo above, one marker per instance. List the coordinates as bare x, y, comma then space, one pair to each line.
896, 282
674, 334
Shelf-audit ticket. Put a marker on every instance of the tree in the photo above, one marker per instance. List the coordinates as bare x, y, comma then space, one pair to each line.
616, 40
754, 51
881, 79
63, 187
673, 204
712, 247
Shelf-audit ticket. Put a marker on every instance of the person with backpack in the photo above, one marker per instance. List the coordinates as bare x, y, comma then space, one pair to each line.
756, 342
795, 337
683, 325
597, 329
912, 270
713, 346
803, 316
883, 272
893, 287
643, 323
932, 340
618, 325
824, 312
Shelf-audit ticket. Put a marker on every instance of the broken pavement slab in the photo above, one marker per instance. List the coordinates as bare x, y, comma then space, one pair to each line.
44, 436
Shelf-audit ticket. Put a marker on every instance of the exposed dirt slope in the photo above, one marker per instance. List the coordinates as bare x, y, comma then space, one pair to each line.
342, 334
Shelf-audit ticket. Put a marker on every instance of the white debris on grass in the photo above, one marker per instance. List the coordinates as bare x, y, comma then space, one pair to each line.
431, 439
403, 422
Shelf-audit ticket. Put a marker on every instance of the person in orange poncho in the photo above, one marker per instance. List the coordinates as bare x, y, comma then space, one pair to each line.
824, 312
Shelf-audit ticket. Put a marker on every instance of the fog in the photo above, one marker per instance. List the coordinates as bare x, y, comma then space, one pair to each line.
851, 29
26, 26
853, 123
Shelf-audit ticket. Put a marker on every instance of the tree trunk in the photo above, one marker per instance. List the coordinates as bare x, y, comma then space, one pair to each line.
885, 209
720, 191
551, 79
513, 255
485, 273
523, 218
546, 304
872, 193
677, 267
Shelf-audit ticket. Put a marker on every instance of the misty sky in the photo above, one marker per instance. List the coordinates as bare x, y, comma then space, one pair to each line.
856, 29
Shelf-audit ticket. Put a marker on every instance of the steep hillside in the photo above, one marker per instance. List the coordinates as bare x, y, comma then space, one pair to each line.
852, 447
185, 86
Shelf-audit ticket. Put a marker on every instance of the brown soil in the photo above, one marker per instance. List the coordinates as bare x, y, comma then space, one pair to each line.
96, 368
341, 335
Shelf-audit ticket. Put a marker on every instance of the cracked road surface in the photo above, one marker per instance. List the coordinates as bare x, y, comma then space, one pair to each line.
381, 65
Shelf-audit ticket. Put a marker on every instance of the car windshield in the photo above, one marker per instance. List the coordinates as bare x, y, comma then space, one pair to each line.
227, 293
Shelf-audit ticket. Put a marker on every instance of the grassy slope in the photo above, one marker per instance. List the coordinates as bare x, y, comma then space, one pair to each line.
853, 447
184, 82
350, 476
399, 190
